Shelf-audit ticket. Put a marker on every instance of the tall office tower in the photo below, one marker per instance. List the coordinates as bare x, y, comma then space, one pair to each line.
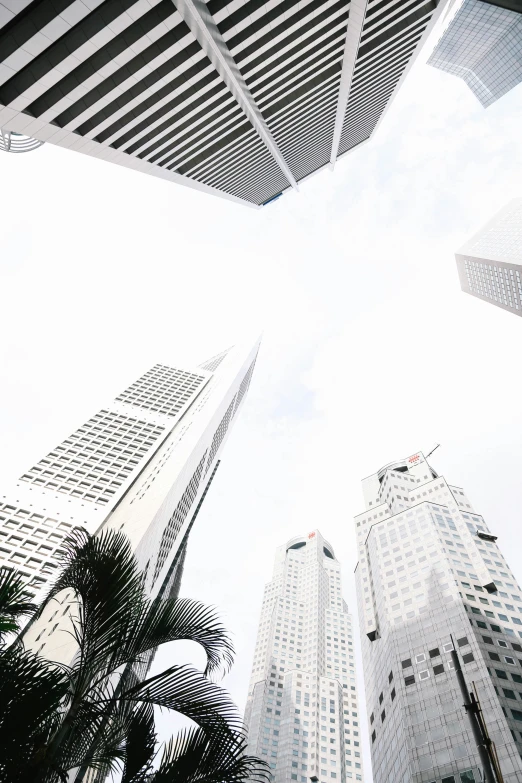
142, 464
239, 98
483, 46
430, 575
302, 715
490, 263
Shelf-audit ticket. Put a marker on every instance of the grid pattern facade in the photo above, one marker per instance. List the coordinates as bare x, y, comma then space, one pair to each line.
499, 284
213, 364
483, 46
237, 98
179, 516
431, 575
490, 264
163, 390
30, 542
96, 460
302, 713
243, 386
220, 433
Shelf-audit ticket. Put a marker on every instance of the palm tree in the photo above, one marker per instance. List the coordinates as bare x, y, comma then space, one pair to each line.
95, 715
14, 602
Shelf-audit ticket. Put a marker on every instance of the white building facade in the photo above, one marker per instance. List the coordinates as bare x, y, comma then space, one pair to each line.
142, 464
430, 576
302, 714
490, 263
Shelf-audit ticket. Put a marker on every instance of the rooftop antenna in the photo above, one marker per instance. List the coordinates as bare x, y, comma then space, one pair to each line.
433, 449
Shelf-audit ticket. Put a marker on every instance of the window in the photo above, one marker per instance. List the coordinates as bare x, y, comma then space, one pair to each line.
409, 680
508, 693
501, 674
420, 658
406, 663
467, 776
502, 643
373, 736
462, 642
487, 639
424, 675
494, 656
434, 653
439, 669
393, 692
517, 714
510, 660
468, 657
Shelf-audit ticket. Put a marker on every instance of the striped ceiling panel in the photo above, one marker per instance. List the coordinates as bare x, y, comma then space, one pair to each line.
242, 99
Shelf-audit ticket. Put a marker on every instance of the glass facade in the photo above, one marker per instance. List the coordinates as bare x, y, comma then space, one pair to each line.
483, 46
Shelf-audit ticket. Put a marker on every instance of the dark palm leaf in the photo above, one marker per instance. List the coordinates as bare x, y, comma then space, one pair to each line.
102, 572
108, 746
174, 619
187, 691
14, 601
102, 718
31, 694
195, 756
140, 745
95, 734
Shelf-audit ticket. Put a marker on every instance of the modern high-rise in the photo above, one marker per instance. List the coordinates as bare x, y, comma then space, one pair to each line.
239, 98
490, 263
302, 714
483, 46
431, 576
142, 464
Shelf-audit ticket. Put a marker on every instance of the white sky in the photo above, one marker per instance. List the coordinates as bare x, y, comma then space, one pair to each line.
370, 351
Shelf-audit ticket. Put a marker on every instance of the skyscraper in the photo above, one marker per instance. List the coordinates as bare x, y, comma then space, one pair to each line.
142, 464
302, 714
238, 98
430, 576
483, 46
490, 263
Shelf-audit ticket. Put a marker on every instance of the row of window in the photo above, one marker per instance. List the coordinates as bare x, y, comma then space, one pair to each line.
468, 776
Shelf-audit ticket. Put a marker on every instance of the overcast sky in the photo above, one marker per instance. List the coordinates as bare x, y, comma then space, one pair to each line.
370, 350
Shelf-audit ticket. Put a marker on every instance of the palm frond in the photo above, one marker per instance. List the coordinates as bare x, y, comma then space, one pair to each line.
95, 715
102, 572
31, 695
187, 691
14, 601
176, 619
140, 745
195, 756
